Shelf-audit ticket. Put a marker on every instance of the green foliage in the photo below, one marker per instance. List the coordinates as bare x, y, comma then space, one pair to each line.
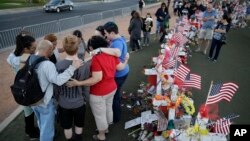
7, 4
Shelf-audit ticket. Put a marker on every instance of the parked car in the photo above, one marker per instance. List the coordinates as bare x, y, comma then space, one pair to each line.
58, 5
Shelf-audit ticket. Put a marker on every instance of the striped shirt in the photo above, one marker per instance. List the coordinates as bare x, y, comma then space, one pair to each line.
70, 98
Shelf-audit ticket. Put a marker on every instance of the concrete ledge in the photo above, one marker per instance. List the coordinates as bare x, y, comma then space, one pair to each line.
10, 118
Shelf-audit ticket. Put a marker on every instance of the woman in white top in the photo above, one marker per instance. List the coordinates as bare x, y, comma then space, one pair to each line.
25, 45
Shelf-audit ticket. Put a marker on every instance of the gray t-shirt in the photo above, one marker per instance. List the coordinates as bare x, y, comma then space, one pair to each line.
70, 98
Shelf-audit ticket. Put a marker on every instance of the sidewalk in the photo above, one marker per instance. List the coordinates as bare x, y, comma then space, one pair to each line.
7, 74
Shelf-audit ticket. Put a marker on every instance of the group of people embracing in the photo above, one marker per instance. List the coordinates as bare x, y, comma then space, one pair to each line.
92, 72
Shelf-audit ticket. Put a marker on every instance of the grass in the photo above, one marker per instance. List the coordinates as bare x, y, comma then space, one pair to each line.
10, 4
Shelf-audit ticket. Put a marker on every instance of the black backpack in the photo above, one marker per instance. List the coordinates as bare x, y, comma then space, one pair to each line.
26, 88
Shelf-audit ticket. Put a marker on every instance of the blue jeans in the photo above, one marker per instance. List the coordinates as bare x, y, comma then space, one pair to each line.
158, 27
117, 98
46, 120
216, 45
146, 36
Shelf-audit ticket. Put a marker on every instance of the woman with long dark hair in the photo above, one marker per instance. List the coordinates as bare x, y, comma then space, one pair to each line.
82, 47
162, 17
25, 45
134, 30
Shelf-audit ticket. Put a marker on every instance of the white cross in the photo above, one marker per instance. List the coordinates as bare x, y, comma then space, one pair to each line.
154, 72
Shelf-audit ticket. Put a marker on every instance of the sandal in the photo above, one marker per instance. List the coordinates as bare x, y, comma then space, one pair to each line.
95, 137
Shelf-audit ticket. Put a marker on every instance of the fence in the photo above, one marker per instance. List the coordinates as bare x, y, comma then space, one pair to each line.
7, 37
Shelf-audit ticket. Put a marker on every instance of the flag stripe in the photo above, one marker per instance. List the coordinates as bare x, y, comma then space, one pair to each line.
182, 72
222, 92
193, 81
222, 126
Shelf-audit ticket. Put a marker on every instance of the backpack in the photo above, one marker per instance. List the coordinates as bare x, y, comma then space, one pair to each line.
26, 88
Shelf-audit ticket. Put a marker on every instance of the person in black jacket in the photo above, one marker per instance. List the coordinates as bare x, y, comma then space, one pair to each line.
162, 17
134, 30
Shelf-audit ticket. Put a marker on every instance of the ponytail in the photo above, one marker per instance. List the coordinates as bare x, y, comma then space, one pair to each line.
23, 41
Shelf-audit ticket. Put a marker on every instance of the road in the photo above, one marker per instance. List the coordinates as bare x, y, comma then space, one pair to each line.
9, 21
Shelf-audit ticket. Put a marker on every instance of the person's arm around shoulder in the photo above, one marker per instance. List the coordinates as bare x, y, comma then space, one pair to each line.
121, 65
95, 78
59, 79
110, 51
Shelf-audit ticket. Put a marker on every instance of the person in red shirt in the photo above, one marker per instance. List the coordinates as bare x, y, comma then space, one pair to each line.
102, 84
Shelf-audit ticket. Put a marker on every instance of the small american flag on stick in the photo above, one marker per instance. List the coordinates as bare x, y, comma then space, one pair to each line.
221, 91
222, 126
192, 80
182, 72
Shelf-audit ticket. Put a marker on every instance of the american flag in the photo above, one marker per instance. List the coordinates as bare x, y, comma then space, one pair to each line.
222, 126
174, 51
179, 38
181, 72
192, 80
228, 117
222, 91
172, 63
183, 41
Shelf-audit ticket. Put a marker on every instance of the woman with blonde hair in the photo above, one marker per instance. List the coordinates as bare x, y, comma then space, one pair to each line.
71, 101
